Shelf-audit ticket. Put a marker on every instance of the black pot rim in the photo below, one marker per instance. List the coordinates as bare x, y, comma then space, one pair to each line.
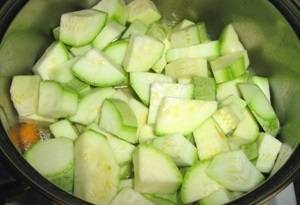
21, 168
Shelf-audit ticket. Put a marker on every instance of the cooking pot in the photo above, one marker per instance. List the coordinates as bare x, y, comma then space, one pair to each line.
268, 29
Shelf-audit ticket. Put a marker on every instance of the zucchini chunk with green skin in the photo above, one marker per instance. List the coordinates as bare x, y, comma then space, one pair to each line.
36, 118
160, 65
90, 104
139, 109
122, 150
246, 132
55, 102
143, 10
182, 115
250, 150
160, 90
159, 31
130, 197
116, 51
234, 171
55, 33
219, 197
24, 92
54, 55
268, 149
210, 140
141, 82
228, 67
111, 32
63, 128
119, 119
208, 50
54, 159
136, 28
235, 104
178, 148
203, 34
204, 88
146, 134
263, 84
126, 171
227, 119
158, 200
116, 10
154, 171
142, 53
95, 69
81, 27
260, 107
126, 183
229, 88
183, 24
229, 41
186, 37
187, 68
196, 184
62, 73
169, 197
96, 176
81, 50
77, 86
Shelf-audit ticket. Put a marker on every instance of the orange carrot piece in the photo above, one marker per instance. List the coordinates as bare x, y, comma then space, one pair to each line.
28, 134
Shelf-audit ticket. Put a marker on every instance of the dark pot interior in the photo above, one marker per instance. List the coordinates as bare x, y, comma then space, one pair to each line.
273, 47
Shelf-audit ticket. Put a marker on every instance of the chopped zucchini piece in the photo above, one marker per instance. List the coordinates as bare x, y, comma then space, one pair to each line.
208, 50
136, 28
64, 128
210, 140
81, 50
130, 197
260, 107
187, 68
234, 171
96, 178
122, 150
96, 69
178, 148
142, 53
116, 10
161, 90
228, 67
154, 171
79, 28
111, 32
143, 10
250, 150
183, 116
116, 51
119, 119
54, 159
54, 55
90, 104
146, 134
204, 88
141, 82
268, 149
24, 92
196, 184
